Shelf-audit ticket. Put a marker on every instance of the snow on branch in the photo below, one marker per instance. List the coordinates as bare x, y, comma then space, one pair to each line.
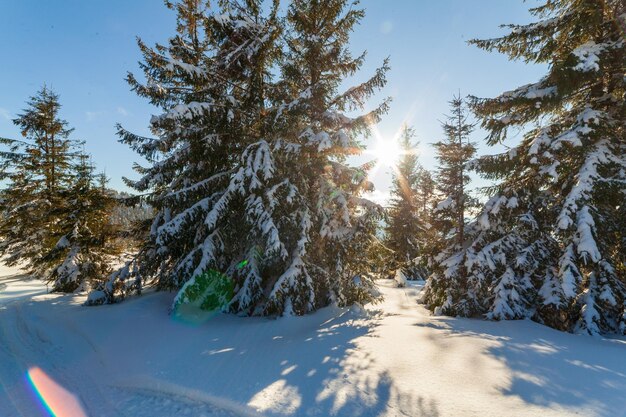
585, 182
173, 226
529, 92
588, 54
172, 64
187, 111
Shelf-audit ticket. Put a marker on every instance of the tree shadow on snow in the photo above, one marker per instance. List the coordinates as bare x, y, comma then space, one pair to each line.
305, 366
9, 292
293, 366
549, 367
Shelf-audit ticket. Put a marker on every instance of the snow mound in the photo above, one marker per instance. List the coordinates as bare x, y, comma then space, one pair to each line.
400, 279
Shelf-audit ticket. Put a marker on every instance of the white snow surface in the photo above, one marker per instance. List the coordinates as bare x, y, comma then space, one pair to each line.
393, 359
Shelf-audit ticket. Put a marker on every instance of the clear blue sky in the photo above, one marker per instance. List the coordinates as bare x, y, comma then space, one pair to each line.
83, 49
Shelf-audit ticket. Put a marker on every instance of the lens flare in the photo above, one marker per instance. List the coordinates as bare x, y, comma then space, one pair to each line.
387, 153
58, 401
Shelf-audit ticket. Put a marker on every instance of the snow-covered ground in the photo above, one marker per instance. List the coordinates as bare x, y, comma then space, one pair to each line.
132, 359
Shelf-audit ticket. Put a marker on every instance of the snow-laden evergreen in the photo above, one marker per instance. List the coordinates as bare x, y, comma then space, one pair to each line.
549, 244
449, 214
247, 167
87, 245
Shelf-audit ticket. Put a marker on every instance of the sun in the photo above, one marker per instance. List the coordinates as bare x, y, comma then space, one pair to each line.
387, 152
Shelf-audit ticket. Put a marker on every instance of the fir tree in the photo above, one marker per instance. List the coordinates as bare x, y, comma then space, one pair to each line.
427, 236
332, 228
404, 225
209, 81
44, 190
85, 235
425, 192
37, 170
247, 174
453, 155
549, 243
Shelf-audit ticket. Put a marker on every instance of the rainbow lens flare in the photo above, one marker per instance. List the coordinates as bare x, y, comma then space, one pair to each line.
58, 401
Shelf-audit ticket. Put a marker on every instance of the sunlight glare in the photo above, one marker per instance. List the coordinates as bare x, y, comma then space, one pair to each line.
387, 152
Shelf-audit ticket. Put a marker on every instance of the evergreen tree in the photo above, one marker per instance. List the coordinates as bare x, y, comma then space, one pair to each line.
425, 193
404, 225
549, 243
37, 171
453, 155
44, 187
85, 235
210, 82
426, 200
248, 175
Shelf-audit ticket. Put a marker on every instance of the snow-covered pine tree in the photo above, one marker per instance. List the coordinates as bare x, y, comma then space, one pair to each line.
448, 217
549, 243
85, 235
210, 83
248, 175
38, 172
315, 137
404, 226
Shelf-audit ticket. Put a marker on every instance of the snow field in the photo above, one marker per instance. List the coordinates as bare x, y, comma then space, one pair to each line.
392, 359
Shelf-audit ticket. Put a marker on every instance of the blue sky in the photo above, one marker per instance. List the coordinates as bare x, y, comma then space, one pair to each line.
83, 49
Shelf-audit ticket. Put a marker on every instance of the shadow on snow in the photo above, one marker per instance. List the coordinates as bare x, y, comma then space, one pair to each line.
549, 367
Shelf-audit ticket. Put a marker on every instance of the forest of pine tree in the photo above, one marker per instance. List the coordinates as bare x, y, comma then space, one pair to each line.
248, 173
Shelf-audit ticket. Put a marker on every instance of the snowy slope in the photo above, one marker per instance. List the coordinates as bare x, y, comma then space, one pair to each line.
132, 359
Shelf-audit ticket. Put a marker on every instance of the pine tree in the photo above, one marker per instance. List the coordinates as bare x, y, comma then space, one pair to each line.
331, 228
426, 200
37, 171
51, 212
425, 192
448, 218
85, 235
210, 82
248, 176
404, 225
549, 243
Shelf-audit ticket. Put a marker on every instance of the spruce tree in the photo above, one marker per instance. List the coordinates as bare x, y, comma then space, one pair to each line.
247, 173
448, 218
86, 237
49, 206
427, 236
425, 192
329, 62
404, 225
38, 171
549, 243
210, 83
